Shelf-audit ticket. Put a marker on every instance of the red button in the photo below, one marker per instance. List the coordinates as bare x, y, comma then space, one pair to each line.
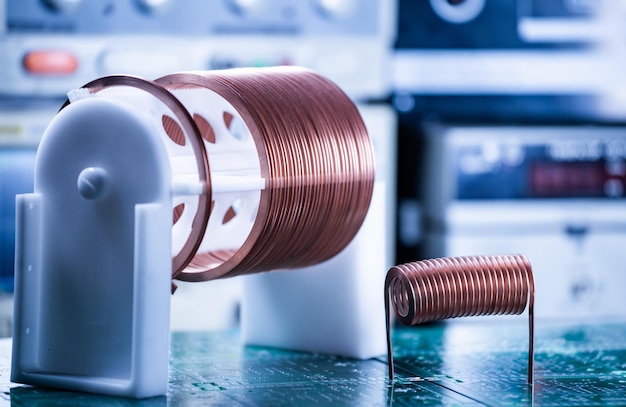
50, 62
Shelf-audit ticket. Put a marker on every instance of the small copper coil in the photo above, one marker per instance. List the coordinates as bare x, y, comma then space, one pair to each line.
437, 289
316, 159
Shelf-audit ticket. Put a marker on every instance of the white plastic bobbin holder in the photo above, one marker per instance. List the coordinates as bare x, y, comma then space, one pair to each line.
94, 250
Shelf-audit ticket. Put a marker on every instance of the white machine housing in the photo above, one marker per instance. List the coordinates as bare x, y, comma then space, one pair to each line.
554, 194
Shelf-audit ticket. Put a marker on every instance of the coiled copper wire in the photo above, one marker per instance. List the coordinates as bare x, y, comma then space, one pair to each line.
442, 288
315, 156
316, 159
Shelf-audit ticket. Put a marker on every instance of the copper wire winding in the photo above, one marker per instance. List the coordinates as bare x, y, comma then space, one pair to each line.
315, 156
442, 288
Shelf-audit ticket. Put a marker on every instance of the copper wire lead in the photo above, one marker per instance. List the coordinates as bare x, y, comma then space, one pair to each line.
436, 289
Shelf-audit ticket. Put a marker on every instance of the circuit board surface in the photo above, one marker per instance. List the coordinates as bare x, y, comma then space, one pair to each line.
451, 364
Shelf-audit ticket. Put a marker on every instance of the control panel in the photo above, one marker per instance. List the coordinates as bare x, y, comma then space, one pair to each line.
163, 17
53, 45
574, 166
554, 193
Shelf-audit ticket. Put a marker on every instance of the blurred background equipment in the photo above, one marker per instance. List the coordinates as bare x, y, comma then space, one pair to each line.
50, 46
511, 140
554, 193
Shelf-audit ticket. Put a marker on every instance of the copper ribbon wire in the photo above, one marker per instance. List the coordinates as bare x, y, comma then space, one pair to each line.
316, 159
442, 288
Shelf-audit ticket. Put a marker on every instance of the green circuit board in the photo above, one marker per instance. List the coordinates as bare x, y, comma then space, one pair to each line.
575, 365
448, 364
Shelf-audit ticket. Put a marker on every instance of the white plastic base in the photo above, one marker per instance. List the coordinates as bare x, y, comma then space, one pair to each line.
93, 257
335, 307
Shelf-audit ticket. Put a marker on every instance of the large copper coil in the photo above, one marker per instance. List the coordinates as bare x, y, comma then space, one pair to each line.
314, 156
437, 289
272, 168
